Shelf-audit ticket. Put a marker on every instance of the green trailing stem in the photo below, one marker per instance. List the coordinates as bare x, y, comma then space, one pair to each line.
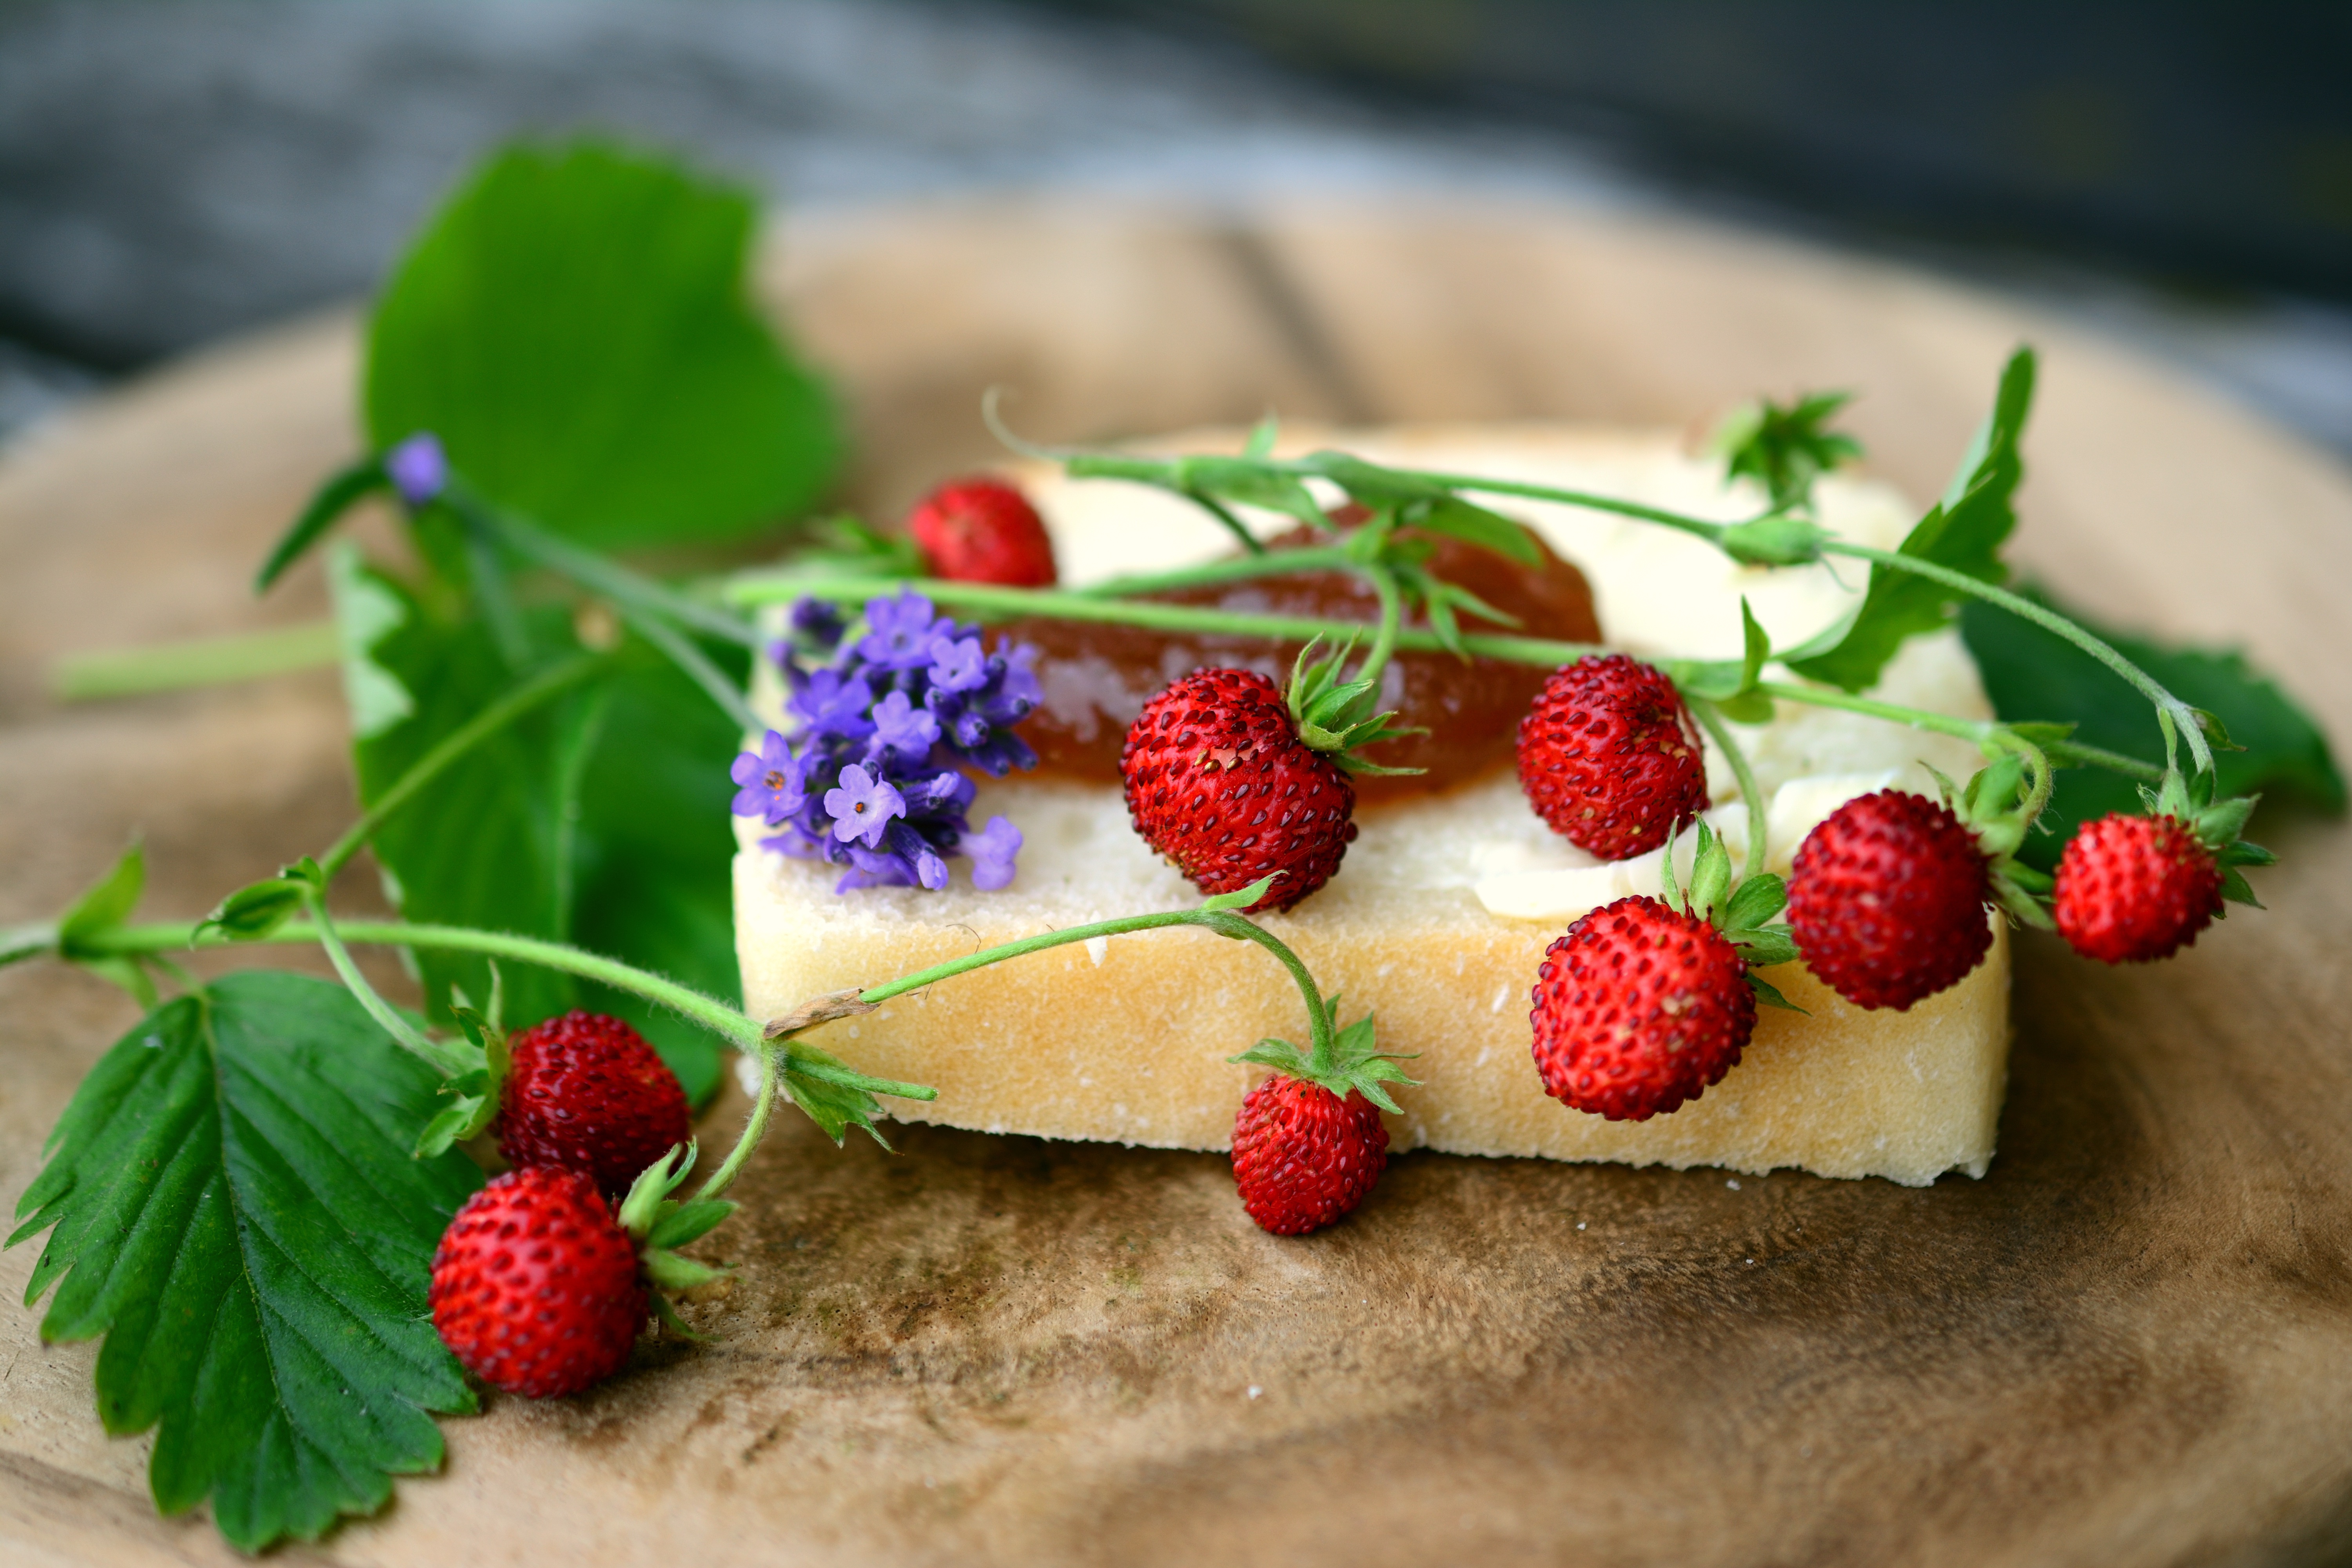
134, 940
208, 661
1710, 718
1224, 923
1062, 604
2169, 710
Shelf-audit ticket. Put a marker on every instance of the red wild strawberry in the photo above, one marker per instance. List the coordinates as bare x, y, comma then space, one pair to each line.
1219, 783
535, 1285
1610, 758
983, 531
1303, 1157
2134, 888
1638, 1008
584, 1091
1887, 900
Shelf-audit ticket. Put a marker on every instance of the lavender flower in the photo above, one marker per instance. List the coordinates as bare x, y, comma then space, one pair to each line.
775, 782
992, 850
817, 625
874, 771
863, 806
418, 469
900, 631
902, 731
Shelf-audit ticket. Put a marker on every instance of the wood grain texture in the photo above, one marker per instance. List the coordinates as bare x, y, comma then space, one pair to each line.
2130, 1344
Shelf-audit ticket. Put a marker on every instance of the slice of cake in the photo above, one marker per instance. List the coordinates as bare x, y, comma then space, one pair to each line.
1444, 904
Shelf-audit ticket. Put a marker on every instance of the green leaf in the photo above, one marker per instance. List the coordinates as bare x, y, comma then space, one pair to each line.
1785, 449
342, 490
107, 905
235, 1209
577, 327
599, 817
367, 611
1964, 531
2032, 674
1262, 437
1476, 525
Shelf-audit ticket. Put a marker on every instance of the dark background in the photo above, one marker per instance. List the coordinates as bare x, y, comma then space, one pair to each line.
2181, 174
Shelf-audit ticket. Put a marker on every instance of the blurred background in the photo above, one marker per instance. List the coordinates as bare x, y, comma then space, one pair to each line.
2179, 175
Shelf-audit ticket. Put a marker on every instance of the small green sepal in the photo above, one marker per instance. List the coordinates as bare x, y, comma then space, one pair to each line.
1782, 541
475, 1092
1245, 897
256, 909
1785, 449
1354, 1062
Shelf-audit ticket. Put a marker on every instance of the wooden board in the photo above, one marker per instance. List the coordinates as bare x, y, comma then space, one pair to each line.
2130, 1344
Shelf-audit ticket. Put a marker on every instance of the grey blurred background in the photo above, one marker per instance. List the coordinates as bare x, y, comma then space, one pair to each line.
2179, 175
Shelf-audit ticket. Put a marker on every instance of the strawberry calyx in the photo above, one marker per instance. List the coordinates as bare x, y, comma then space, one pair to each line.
477, 1089
2217, 822
2000, 806
1335, 716
1345, 1060
1741, 909
659, 1222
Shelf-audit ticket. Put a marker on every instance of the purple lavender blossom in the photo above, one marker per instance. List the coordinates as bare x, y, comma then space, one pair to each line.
829, 702
898, 632
775, 782
958, 665
863, 806
884, 739
817, 625
418, 469
902, 731
992, 850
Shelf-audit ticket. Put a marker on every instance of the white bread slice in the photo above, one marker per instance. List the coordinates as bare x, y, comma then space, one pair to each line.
1443, 906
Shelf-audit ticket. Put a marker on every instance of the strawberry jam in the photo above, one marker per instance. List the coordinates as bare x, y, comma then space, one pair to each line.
1097, 677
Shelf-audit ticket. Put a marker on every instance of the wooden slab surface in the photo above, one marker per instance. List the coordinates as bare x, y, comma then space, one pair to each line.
2130, 1344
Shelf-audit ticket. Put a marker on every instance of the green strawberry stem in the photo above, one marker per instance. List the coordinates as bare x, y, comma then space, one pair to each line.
1210, 574
1987, 734
755, 1126
1224, 923
1711, 719
204, 661
2169, 710
453, 746
139, 940
630, 590
447, 1059
1065, 605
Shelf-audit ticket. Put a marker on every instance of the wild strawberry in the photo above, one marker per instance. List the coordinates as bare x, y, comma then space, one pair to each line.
2134, 888
1219, 783
1887, 900
983, 531
535, 1285
1638, 1008
584, 1091
1303, 1157
1610, 758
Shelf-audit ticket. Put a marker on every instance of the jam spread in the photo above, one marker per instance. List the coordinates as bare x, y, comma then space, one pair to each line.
1098, 677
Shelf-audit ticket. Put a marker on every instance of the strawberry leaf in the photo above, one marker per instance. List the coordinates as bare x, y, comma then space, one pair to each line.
232, 1204
1964, 531
598, 817
577, 328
